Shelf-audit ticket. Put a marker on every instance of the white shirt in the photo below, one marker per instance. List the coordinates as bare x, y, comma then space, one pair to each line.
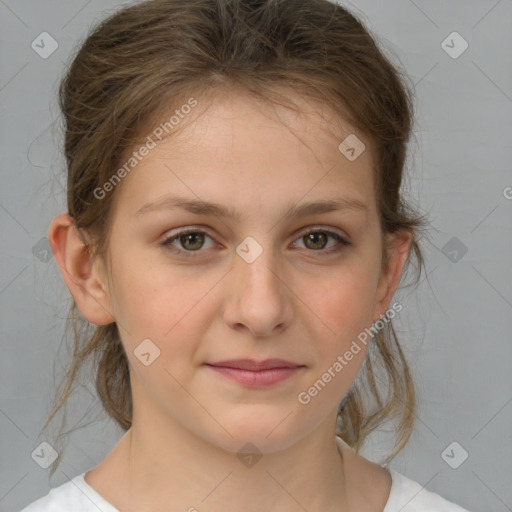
77, 495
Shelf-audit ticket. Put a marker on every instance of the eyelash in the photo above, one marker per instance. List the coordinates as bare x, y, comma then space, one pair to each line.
191, 254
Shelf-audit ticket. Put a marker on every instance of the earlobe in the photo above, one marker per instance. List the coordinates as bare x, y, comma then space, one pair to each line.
391, 275
80, 270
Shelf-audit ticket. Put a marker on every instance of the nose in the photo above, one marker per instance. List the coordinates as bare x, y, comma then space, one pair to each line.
260, 300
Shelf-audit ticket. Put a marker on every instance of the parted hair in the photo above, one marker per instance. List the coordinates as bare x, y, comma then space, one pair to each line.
147, 57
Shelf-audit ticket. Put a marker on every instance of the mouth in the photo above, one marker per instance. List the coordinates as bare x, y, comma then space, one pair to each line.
253, 373
253, 365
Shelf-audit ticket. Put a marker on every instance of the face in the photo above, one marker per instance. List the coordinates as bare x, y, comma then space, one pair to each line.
249, 280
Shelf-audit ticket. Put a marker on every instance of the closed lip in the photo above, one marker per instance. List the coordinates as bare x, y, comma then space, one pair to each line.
251, 364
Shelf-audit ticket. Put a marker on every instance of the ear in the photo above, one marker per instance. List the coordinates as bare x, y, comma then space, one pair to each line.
82, 272
400, 244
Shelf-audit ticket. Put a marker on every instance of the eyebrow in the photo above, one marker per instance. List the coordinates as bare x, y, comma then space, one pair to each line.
200, 207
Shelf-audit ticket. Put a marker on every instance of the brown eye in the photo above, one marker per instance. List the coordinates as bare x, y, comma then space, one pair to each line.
187, 242
192, 241
318, 240
315, 240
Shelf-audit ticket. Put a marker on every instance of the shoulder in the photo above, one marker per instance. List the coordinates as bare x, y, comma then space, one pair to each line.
382, 488
73, 496
407, 495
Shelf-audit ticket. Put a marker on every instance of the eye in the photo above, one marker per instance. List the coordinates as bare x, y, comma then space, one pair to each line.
316, 240
192, 240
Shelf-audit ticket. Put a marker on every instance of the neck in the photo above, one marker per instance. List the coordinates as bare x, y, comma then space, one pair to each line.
171, 469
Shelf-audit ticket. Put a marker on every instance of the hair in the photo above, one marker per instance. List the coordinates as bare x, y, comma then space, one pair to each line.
145, 57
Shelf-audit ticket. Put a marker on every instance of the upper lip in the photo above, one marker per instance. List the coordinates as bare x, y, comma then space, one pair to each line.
251, 364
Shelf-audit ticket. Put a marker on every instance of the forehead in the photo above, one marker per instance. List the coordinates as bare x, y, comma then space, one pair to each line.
235, 147
226, 118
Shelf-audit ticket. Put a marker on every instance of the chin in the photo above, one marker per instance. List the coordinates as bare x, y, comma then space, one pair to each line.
268, 432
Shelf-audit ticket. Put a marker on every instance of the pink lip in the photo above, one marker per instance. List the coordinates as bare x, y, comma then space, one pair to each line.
256, 374
251, 364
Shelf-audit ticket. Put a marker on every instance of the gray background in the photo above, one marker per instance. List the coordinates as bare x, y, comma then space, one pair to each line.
455, 327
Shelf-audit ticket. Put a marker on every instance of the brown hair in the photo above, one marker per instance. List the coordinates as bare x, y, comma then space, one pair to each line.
157, 53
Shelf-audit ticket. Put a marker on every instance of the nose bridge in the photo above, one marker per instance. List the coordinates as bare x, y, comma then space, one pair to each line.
256, 265
260, 300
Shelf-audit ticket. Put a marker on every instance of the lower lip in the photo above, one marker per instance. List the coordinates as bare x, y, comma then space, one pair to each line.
256, 379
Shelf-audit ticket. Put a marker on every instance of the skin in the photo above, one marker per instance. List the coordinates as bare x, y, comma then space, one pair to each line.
292, 302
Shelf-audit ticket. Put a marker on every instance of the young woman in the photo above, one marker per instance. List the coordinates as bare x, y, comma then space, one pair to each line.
235, 234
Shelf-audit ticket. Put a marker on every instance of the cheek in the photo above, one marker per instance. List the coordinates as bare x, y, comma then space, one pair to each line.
340, 311
165, 305
145, 292
341, 303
